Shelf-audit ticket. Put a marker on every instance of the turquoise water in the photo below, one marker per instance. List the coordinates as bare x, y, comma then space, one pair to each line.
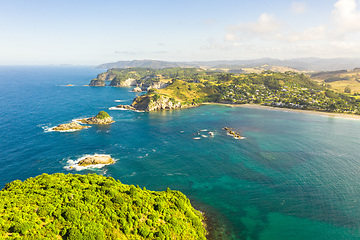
295, 176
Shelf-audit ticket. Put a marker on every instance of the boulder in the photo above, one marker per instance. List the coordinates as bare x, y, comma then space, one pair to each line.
94, 160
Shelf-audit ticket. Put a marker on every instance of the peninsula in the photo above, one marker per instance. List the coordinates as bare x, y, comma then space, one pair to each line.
176, 88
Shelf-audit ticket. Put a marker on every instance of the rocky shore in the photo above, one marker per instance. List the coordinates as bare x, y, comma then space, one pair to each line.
69, 127
94, 160
127, 107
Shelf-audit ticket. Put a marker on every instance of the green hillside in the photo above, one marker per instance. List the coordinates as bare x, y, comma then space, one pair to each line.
90, 206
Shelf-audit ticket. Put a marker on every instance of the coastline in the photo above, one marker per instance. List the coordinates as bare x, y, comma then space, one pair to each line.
258, 106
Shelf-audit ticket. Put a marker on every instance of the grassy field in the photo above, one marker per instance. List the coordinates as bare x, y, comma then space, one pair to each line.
349, 78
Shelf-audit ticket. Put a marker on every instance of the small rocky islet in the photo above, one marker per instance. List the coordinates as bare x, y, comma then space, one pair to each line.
101, 118
96, 159
69, 127
233, 133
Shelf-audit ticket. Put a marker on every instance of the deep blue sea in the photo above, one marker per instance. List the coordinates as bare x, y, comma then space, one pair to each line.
295, 176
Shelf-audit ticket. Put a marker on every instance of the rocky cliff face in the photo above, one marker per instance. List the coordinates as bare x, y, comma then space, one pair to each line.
148, 104
157, 85
127, 83
163, 103
106, 76
97, 83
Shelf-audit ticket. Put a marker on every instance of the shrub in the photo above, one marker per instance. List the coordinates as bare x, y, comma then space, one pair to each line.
102, 115
144, 231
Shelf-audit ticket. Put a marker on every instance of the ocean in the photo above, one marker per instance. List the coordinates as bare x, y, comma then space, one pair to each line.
293, 176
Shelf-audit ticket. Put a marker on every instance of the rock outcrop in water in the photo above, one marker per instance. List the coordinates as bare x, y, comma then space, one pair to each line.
101, 118
94, 160
127, 107
233, 133
69, 127
97, 83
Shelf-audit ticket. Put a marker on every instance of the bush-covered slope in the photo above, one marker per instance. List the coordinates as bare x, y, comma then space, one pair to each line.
90, 206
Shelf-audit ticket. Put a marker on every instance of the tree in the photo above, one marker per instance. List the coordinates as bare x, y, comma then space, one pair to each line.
347, 89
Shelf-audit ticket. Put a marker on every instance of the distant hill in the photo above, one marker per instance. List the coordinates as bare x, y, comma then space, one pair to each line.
299, 64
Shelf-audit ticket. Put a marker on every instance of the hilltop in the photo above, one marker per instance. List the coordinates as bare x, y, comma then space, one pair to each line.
248, 66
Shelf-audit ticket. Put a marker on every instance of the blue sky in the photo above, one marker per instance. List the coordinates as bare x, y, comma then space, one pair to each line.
94, 32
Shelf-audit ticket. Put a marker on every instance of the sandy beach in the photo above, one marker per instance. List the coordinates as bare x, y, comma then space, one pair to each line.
325, 114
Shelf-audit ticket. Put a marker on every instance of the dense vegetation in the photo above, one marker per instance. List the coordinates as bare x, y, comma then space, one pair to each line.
94, 207
102, 115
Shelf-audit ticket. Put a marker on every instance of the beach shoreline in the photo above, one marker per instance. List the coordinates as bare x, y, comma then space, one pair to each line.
319, 113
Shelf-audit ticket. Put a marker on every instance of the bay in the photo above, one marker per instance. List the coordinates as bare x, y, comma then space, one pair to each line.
294, 176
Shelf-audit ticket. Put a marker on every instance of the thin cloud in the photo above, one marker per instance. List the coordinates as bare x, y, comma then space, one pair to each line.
266, 25
298, 7
209, 21
138, 53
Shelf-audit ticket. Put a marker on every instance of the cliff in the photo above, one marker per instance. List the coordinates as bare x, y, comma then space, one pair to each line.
97, 83
106, 76
154, 102
116, 82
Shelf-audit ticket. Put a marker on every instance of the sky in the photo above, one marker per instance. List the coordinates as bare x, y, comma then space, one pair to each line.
91, 32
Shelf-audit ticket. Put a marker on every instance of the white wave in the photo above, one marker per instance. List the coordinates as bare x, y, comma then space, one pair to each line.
116, 108
72, 164
172, 174
120, 100
146, 155
203, 130
204, 136
124, 109
197, 138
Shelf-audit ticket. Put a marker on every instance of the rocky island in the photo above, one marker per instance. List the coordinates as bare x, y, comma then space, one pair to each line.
101, 118
96, 159
73, 126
